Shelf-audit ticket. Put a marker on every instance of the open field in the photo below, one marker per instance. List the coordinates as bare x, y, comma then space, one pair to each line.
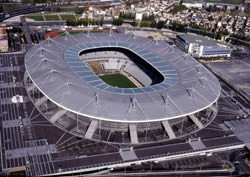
65, 17
236, 73
118, 80
52, 17
39, 17
35, 17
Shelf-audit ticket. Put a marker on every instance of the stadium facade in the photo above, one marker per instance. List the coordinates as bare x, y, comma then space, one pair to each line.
176, 95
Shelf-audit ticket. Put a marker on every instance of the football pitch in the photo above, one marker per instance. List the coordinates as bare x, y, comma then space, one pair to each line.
118, 80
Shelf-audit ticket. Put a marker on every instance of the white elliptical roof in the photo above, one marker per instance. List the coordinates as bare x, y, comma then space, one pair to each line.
56, 69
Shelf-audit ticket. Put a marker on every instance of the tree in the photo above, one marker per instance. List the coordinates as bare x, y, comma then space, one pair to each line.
26, 1
180, 28
84, 9
134, 23
228, 40
204, 32
78, 10
153, 24
225, 32
57, 9
144, 23
160, 24
125, 15
101, 21
70, 22
128, 3
148, 18
118, 22
210, 18
218, 35
177, 8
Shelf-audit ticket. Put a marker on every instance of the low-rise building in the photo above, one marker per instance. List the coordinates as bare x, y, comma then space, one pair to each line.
193, 4
3, 39
138, 16
199, 46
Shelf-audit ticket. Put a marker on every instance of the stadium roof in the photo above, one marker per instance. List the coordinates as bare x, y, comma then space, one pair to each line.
83, 71
188, 87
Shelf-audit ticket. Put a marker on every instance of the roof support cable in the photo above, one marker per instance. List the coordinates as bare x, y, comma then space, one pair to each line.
156, 42
110, 32
165, 100
198, 68
88, 31
202, 82
48, 41
185, 57
133, 105
97, 99
190, 92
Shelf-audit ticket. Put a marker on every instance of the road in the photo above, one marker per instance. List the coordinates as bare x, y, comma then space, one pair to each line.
26, 30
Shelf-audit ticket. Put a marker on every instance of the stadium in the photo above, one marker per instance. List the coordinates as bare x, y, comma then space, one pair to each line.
120, 88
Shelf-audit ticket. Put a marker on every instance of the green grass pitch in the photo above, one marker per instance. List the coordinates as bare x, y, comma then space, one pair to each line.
118, 80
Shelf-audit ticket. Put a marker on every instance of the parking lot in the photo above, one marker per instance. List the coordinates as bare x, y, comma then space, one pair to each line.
235, 72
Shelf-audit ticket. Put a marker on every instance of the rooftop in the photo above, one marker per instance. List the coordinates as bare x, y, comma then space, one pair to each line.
198, 39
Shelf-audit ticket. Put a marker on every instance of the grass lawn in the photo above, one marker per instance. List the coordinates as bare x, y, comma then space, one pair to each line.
67, 9
52, 17
118, 80
65, 17
35, 17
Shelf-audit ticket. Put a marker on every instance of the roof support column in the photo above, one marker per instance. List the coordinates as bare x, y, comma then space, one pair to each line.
31, 87
57, 115
168, 129
91, 129
212, 108
196, 121
133, 134
41, 101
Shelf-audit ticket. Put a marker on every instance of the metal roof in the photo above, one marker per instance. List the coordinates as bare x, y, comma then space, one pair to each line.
198, 39
188, 86
83, 71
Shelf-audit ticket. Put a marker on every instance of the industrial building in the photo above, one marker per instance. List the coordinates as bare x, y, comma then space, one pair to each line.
199, 46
